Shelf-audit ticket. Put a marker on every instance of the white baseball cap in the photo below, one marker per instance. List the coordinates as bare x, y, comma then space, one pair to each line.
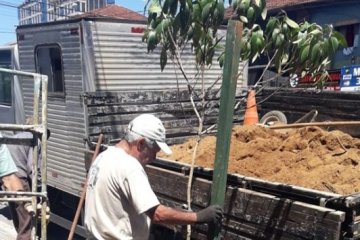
150, 127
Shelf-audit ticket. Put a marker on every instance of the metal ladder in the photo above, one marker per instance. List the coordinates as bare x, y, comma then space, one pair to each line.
37, 128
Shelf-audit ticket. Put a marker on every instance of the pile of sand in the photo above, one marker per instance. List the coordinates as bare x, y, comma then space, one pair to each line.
309, 157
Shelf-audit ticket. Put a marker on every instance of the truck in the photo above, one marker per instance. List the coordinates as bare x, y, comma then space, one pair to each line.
100, 77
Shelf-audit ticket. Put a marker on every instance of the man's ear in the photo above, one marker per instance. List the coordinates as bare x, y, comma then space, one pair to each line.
140, 144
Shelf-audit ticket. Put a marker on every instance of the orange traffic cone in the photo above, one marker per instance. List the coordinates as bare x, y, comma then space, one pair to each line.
251, 116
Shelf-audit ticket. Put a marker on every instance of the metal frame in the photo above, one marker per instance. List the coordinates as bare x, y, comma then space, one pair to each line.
40, 83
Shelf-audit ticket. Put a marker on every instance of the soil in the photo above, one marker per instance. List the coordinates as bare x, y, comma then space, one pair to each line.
309, 157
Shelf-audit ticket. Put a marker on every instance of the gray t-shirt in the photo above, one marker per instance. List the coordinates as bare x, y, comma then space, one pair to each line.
23, 156
7, 165
118, 196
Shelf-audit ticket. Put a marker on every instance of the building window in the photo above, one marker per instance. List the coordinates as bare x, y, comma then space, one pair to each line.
351, 33
101, 4
5, 78
91, 5
48, 62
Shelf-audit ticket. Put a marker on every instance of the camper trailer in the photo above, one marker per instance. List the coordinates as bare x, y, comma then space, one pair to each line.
101, 76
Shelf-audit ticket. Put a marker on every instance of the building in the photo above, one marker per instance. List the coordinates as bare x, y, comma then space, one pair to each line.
41, 11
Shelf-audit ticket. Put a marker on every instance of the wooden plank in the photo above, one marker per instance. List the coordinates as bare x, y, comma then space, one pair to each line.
169, 120
110, 112
105, 98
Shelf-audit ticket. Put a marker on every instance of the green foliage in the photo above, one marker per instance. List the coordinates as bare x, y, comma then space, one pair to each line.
175, 23
298, 48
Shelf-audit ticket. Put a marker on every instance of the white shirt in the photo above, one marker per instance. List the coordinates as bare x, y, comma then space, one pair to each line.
118, 195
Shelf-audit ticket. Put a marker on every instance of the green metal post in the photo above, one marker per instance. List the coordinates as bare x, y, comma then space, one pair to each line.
227, 102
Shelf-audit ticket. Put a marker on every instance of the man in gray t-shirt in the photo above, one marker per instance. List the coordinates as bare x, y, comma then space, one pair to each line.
23, 159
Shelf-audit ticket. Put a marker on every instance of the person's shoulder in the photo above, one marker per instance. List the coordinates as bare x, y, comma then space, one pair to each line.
122, 160
24, 135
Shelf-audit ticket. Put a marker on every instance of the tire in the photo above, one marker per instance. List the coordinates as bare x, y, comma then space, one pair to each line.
273, 117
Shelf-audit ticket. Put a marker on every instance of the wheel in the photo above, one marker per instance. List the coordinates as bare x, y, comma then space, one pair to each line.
273, 117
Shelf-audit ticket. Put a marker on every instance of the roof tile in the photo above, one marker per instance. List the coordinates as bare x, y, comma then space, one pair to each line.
114, 11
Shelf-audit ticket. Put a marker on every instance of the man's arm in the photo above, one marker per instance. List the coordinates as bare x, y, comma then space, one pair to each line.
12, 183
7, 171
166, 215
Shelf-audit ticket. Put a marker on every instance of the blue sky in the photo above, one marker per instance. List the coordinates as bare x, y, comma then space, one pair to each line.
9, 18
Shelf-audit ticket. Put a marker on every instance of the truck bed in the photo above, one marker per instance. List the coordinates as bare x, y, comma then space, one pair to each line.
257, 209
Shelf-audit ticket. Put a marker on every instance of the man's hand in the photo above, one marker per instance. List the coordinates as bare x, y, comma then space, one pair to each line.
30, 210
211, 214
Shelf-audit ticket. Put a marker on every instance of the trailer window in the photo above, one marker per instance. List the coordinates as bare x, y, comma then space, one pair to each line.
48, 62
5, 78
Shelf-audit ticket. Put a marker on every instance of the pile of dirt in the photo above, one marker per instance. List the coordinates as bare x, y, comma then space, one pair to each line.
309, 157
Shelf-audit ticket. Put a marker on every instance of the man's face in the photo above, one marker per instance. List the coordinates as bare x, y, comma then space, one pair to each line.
147, 151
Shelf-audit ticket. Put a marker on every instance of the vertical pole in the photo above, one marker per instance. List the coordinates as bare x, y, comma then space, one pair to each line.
44, 87
227, 102
37, 85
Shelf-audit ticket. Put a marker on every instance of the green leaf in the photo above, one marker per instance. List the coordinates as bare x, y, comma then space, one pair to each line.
315, 32
253, 42
159, 29
315, 52
305, 54
209, 56
279, 40
155, 7
259, 44
264, 13
277, 60
263, 4
341, 39
285, 58
173, 7
274, 34
145, 36
219, 12
184, 17
254, 57
246, 4
334, 43
197, 33
151, 41
196, 12
291, 23
190, 4
250, 14
204, 2
166, 6
234, 4
270, 25
163, 58
221, 59
243, 19
205, 14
